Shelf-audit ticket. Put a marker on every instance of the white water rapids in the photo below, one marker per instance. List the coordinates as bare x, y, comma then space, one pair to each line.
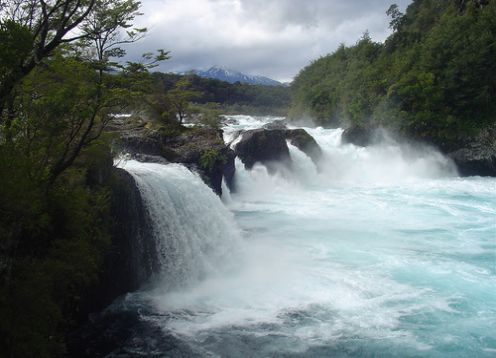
383, 252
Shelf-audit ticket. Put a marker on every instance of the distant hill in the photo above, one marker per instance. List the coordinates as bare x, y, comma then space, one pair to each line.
235, 98
232, 76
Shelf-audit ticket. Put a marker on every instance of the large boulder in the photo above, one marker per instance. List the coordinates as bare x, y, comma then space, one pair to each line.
305, 142
359, 136
264, 146
268, 145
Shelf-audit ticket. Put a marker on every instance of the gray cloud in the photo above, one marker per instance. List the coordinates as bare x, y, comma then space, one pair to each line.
275, 38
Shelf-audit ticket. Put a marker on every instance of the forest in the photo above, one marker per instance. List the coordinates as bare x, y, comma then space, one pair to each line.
232, 98
433, 79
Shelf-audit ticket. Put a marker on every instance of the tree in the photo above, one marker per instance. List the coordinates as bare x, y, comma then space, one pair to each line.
180, 96
396, 17
39, 28
58, 92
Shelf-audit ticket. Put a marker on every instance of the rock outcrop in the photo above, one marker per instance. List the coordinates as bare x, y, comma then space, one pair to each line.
264, 146
470, 161
305, 142
359, 136
477, 157
278, 124
268, 145
131, 258
201, 149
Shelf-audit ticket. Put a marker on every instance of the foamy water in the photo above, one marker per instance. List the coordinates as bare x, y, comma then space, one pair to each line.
384, 252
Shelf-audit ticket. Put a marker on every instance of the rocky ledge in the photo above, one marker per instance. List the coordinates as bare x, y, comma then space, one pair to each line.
200, 149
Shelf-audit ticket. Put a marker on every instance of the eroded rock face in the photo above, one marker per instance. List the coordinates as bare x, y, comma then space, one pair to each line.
200, 149
264, 146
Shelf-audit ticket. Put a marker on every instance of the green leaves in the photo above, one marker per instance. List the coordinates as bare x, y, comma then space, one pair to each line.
435, 75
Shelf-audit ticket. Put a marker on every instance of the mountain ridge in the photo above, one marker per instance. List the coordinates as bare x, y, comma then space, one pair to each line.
233, 76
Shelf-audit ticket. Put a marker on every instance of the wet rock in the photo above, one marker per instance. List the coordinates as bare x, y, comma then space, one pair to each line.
359, 136
305, 142
200, 149
121, 331
264, 146
278, 124
268, 146
470, 161
478, 155
131, 259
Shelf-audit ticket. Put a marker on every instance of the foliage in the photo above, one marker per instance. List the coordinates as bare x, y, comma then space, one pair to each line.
235, 98
210, 158
433, 78
58, 92
208, 114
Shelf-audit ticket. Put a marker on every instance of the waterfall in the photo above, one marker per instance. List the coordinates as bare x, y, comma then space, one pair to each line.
193, 231
381, 251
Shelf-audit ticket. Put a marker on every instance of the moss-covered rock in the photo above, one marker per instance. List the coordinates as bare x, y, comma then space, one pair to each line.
201, 149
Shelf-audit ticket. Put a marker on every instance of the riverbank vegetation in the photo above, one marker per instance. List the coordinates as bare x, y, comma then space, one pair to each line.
433, 79
58, 92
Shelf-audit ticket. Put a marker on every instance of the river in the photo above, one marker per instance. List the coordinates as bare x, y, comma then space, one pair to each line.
381, 251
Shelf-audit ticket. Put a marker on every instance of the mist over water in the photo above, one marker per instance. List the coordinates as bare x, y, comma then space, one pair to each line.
381, 251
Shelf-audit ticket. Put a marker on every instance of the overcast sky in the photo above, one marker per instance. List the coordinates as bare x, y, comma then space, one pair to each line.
274, 38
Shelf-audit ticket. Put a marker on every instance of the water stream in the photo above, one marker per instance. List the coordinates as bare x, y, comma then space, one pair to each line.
384, 251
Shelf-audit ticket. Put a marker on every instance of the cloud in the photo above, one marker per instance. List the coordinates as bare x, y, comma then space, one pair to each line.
275, 38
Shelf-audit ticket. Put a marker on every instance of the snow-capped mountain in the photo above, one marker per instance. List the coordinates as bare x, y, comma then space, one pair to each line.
232, 76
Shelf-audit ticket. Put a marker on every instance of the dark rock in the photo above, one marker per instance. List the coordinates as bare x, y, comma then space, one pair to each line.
305, 142
477, 155
141, 141
264, 146
204, 150
359, 136
471, 161
200, 149
269, 145
122, 330
131, 258
278, 124
229, 169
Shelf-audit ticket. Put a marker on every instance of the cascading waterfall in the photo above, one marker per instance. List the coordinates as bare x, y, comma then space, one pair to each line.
193, 231
383, 251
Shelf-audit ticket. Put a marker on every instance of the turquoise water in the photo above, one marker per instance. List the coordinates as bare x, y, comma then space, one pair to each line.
382, 252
